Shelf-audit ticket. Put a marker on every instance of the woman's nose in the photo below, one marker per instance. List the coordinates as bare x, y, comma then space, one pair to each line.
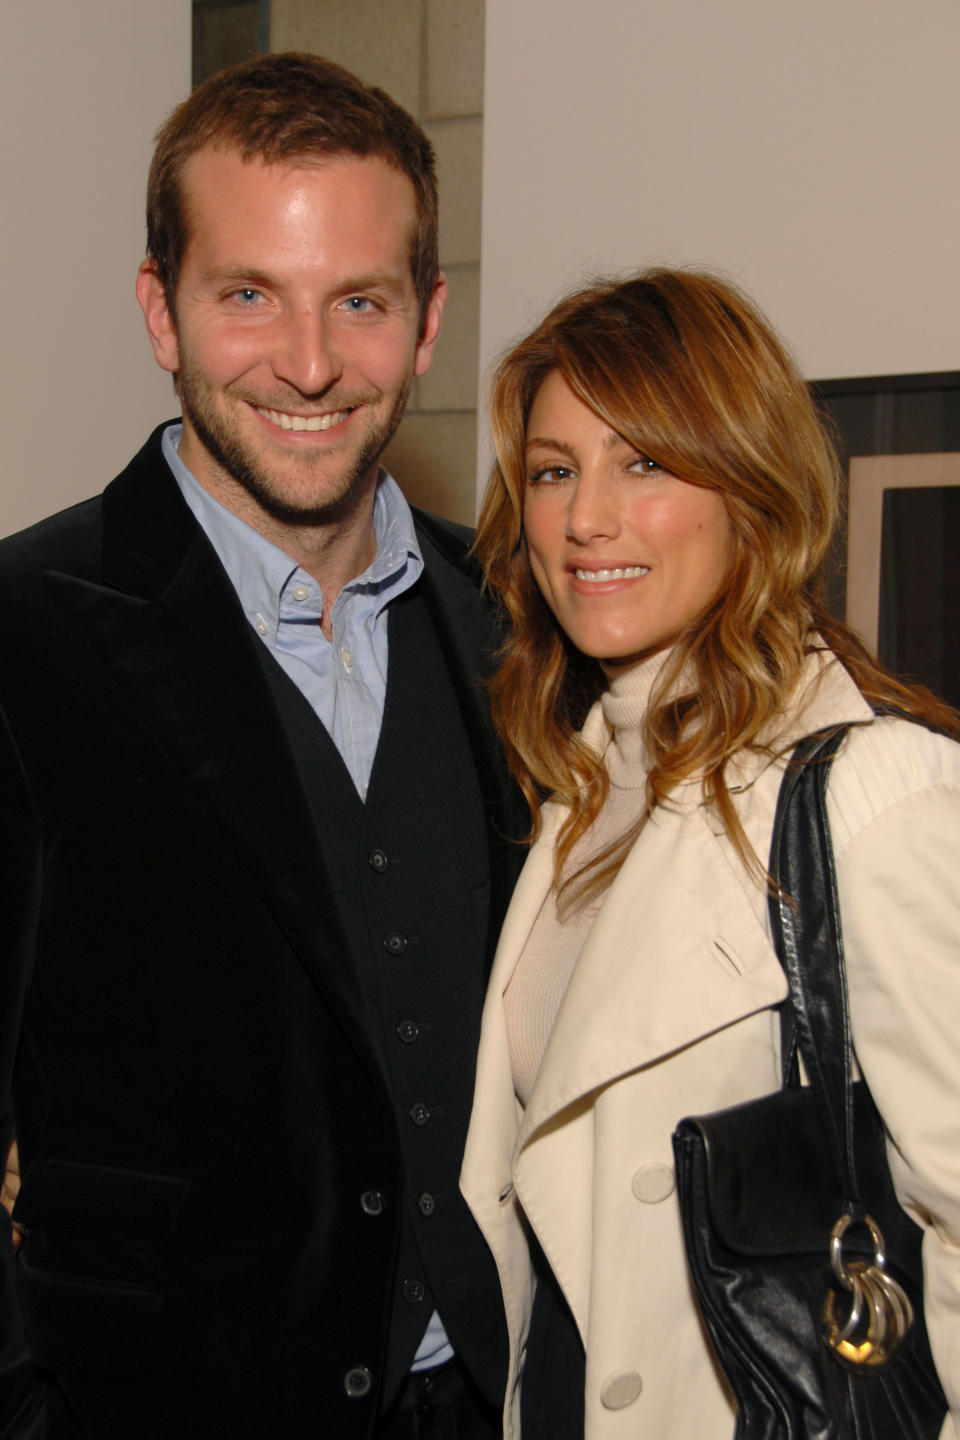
592, 513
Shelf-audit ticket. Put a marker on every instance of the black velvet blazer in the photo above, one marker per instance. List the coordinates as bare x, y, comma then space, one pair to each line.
197, 1100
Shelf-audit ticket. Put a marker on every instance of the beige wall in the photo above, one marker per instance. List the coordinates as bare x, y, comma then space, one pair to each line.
808, 150
428, 54
85, 86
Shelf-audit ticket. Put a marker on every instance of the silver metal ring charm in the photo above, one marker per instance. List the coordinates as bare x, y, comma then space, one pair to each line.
880, 1313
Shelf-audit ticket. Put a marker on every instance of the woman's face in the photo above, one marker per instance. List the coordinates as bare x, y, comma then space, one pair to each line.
625, 554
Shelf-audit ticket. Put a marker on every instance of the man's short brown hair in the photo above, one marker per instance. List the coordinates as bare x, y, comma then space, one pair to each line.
288, 108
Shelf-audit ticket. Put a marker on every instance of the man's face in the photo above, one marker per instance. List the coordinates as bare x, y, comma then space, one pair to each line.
297, 331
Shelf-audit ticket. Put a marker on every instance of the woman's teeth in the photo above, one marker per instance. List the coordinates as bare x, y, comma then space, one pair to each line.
625, 572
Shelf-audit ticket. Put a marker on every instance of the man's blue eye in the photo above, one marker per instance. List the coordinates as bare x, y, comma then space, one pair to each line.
357, 303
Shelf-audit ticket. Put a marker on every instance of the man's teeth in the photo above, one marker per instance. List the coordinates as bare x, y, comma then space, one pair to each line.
625, 572
303, 422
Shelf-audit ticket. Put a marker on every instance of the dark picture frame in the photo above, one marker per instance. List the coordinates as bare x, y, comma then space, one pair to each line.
894, 571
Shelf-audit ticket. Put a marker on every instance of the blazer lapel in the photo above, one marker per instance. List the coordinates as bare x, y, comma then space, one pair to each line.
468, 638
168, 626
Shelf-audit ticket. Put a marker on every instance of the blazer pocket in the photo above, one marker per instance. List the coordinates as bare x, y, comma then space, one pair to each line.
74, 1325
90, 1272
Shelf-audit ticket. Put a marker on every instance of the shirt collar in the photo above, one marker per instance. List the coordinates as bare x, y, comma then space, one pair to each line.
261, 573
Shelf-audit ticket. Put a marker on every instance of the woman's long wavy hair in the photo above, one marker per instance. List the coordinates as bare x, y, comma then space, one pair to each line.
684, 367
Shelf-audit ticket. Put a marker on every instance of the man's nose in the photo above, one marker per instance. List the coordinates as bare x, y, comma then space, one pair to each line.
307, 355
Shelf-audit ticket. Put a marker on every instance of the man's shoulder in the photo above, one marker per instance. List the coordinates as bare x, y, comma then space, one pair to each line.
58, 540
71, 539
451, 541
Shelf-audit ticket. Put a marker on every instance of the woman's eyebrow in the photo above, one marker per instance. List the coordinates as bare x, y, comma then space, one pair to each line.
547, 443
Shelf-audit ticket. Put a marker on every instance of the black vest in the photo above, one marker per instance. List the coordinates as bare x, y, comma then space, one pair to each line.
411, 871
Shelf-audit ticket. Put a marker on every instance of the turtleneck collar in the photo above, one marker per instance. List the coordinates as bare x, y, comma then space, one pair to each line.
625, 705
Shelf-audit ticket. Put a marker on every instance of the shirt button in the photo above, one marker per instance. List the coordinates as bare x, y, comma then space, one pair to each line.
413, 1291
419, 1113
408, 1030
394, 943
358, 1382
378, 861
426, 1204
347, 658
371, 1202
262, 626
300, 592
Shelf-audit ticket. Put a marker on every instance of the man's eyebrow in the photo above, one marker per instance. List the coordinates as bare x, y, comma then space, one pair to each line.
234, 274
385, 280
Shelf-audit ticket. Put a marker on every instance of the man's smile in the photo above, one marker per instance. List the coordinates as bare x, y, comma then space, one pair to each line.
286, 421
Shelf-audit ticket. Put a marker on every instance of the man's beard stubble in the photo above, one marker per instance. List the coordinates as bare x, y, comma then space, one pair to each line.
238, 461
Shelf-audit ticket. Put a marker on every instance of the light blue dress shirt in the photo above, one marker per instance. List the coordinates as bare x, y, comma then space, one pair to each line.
345, 680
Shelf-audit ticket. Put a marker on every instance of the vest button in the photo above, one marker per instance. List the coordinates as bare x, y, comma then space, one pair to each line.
427, 1203
358, 1382
413, 1291
377, 860
394, 943
371, 1202
408, 1030
419, 1113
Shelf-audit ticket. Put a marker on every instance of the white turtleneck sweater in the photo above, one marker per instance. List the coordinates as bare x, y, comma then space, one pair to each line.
535, 993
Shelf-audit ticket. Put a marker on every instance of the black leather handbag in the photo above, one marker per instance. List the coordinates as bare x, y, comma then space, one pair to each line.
807, 1270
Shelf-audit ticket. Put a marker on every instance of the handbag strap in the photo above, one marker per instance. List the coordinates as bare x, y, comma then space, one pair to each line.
807, 934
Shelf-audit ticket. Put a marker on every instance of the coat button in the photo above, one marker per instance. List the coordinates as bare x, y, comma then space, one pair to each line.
358, 1382
620, 1390
377, 860
419, 1113
427, 1203
653, 1183
408, 1030
371, 1202
413, 1291
394, 943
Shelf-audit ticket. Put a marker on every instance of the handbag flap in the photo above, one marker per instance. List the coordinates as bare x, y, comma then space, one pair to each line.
772, 1188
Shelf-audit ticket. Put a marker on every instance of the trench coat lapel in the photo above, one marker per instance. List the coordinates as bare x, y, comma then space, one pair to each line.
167, 624
677, 951
678, 894
680, 947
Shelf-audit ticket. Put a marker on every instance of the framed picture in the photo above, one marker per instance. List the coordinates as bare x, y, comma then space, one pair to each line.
894, 573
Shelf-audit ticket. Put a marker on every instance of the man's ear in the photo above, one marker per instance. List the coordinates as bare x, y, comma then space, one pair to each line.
431, 327
156, 312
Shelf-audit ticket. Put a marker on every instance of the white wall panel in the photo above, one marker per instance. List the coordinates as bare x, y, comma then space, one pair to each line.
84, 87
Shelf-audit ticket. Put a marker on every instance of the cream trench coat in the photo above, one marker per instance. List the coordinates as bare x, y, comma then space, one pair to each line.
670, 1011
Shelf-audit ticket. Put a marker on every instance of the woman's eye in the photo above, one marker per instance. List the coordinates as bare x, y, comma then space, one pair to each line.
550, 475
643, 465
